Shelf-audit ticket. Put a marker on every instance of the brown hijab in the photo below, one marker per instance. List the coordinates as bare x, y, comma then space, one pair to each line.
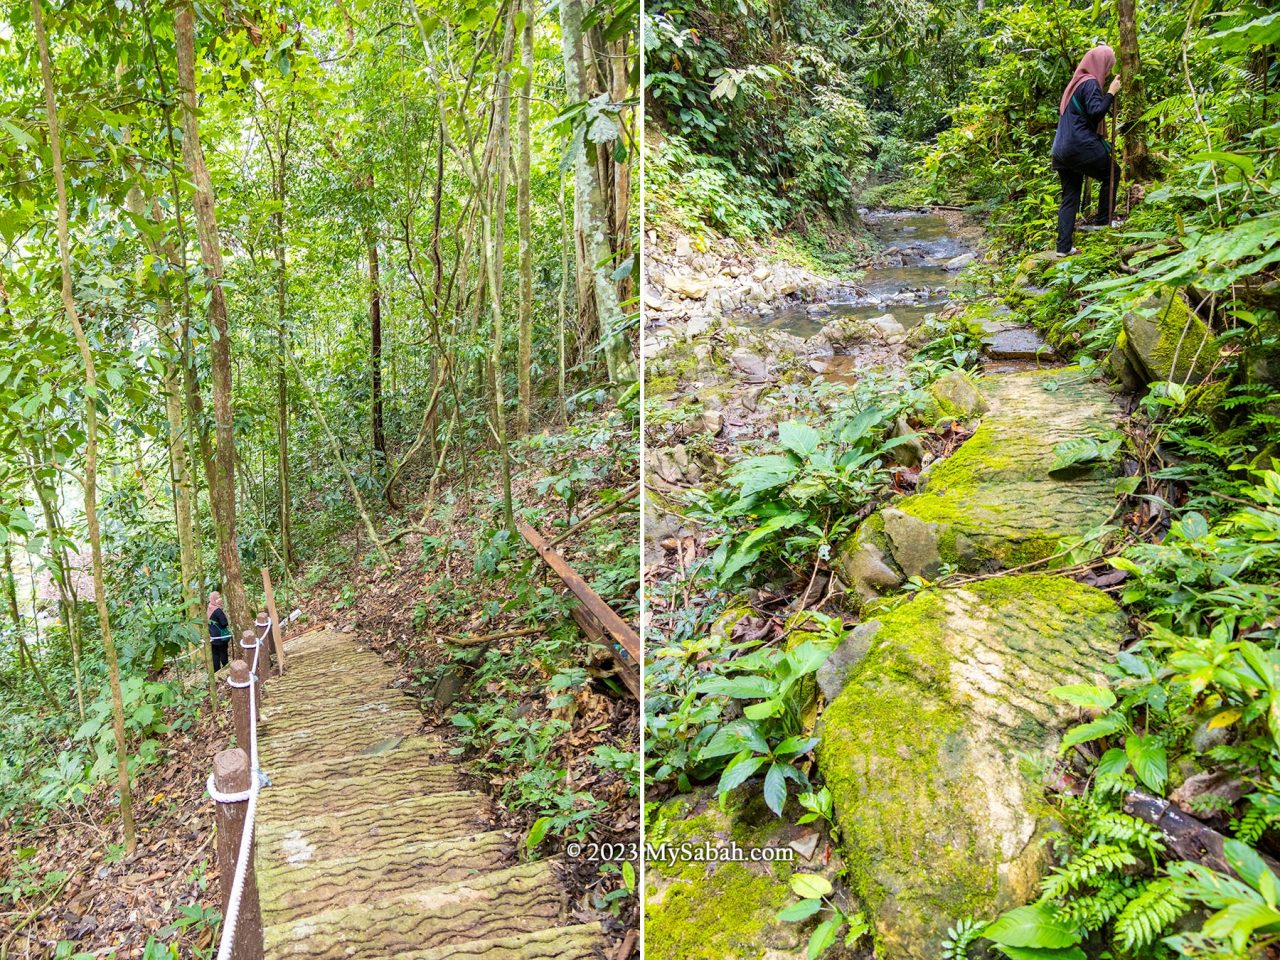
215, 601
1095, 64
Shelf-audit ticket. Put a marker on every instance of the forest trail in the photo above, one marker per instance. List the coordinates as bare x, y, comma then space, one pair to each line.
369, 845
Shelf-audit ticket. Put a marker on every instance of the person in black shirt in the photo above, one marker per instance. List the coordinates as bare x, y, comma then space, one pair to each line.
1080, 148
219, 630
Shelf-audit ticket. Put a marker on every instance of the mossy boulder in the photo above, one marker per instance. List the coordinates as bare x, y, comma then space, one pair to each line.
955, 397
992, 504
704, 906
925, 750
1165, 340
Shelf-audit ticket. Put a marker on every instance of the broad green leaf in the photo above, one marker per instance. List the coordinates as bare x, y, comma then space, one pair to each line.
1035, 925
1085, 695
761, 473
810, 885
800, 438
1150, 763
1104, 726
537, 833
739, 771
823, 936
799, 911
775, 789
733, 738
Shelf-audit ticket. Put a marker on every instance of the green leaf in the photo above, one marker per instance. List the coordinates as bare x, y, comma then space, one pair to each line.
823, 936
810, 885
739, 771
537, 833
1150, 763
733, 738
775, 789
799, 911
745, 687
1041, 953
800, 438
761, 473
1085, 695
1104, 726
1035, 925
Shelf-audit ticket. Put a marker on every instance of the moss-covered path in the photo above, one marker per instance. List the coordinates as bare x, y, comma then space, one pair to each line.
370, 845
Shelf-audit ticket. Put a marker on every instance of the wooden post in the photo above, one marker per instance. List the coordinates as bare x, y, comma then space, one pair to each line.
277, 634
238, 682
231, 776
249, 645
266, 639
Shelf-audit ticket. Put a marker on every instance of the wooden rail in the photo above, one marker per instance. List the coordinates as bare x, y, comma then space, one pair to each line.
599, 621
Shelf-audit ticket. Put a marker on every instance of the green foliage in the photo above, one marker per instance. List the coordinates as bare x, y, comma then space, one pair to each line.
817, 901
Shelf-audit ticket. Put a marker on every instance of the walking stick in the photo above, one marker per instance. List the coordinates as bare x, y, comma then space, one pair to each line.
1115, 172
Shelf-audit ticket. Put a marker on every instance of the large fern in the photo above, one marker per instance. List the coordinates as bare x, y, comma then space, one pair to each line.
1148, 914
1088, 866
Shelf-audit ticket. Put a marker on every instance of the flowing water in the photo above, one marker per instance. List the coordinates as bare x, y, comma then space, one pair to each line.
911, 281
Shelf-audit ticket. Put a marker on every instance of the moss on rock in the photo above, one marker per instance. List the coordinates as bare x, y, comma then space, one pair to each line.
697, 909
923, 749
1165, 340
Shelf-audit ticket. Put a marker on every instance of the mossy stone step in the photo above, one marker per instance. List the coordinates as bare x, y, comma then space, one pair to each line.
582, 941
353, 703
295, 888
392, 754
382, 825
317, 797
925, 749
504, 903
324, 741
360, 668
335, 714
993, 503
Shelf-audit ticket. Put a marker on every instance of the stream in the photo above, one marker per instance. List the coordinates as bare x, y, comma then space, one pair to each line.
916, 272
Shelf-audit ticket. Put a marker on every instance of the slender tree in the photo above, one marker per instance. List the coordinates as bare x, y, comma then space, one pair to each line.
222, 466
90, 477
1137, 155
523, 212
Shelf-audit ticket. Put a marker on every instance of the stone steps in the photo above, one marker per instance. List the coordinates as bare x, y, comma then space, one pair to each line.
580, 942
393, 753
298, 889
502, 903
369, 846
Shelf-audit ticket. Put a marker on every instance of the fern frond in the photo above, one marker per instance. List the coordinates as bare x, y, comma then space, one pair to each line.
1091, 864
1148, 914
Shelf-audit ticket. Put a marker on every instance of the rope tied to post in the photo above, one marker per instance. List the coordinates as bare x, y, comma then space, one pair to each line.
257, 780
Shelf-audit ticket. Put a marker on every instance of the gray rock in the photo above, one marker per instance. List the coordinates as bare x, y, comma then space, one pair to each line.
914, 543
1016, 343
960, 262
834, 672
684, 248
749, 366
887, 326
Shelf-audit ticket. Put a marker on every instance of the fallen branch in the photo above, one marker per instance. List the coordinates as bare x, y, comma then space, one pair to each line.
627, 496
475, 641
1185, 837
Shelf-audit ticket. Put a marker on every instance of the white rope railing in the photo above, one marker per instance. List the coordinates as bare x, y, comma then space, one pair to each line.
256, 782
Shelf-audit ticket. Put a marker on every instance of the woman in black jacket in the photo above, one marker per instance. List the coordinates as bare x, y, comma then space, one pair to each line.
1080, 148
219, 630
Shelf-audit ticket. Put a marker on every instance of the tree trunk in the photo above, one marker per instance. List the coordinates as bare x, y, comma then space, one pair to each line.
282, 368
91, 423
1137, 155
563, 305
222, 487
375, 334
594, 252
522, 207
493, 219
